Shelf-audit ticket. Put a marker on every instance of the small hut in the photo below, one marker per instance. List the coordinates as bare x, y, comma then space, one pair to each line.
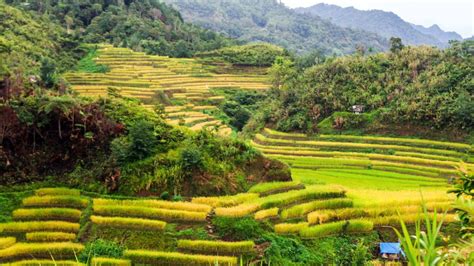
357, 109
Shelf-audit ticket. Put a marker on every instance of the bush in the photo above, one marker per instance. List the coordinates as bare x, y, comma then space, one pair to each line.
101, 248
237, 228
287, 251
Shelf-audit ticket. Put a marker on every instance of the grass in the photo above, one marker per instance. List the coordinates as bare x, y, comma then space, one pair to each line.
50, 236
185, 206
217, 247
47, 214
272, 186
268, 213
56, 201
6, 242
98, 261
57, 192
175, 258
352, 226
302, 209
290, 228
363, 181
128, 223
151, 213
45, 250
20, 227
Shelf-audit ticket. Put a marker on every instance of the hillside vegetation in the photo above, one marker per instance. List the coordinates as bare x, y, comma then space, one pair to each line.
269, 21
412, 86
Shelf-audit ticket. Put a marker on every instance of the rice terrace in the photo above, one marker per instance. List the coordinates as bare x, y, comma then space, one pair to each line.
242, 132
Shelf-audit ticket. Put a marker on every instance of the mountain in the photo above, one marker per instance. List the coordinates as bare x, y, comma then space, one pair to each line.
438, 33
386, 24
269, 21
150, 26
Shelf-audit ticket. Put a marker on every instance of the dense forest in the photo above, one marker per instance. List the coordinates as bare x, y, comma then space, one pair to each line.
270, 21
417, 86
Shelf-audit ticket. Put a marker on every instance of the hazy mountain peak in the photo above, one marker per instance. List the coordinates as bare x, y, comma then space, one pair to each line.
386, 24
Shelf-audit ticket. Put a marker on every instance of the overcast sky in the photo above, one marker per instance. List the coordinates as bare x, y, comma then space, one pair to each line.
450, 15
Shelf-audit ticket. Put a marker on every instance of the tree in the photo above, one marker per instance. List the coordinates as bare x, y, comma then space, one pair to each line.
48, 72
69, 21
396, 45
282, 71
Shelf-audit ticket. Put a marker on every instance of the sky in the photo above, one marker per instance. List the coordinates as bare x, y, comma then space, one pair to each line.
450, 15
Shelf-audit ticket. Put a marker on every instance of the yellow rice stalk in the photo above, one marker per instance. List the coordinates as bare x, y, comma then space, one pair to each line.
56, 201
238, 211
47, 214
6, 242
302, 209
175, 258
50, 237
58, 249
128, 223
110, 262
226, 201
57, 192
268, 213
290, 228
45, 263
19, 227
185, 206
151, 213
217, 247
353, 226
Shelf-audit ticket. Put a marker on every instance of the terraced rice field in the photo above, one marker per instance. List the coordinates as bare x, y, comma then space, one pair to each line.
382, 177
144, 77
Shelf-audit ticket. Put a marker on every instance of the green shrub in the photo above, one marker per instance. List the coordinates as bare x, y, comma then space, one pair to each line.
101, 248
237, 228
285, 251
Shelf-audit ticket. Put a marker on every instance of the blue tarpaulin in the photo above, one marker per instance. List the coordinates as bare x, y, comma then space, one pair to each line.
390, 248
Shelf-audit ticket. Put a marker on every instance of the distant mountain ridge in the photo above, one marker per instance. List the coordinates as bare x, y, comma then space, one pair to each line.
270, 21
386, 24
438, 33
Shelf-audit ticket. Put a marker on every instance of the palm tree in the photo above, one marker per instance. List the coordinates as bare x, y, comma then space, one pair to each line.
63, 105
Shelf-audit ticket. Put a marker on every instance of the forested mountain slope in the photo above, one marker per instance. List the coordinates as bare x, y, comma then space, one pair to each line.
149, 25
422, 87
386, 24
269, 21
